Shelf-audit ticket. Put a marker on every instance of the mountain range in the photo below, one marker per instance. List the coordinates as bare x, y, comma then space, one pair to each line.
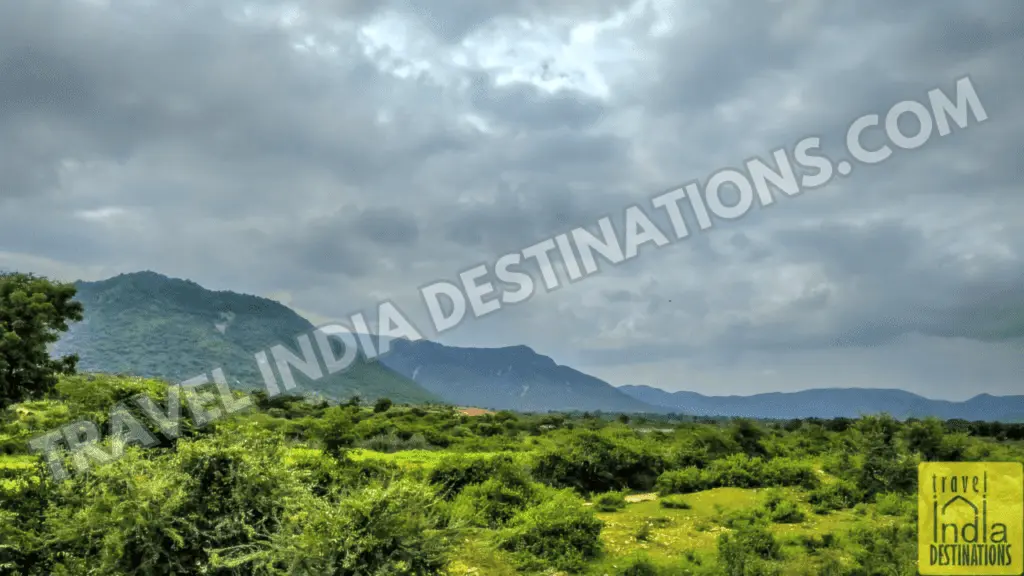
833, 403
514, 377
150, 325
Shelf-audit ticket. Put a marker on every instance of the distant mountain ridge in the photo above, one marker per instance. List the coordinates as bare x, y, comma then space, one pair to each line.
832, 403
147, 324
511, 378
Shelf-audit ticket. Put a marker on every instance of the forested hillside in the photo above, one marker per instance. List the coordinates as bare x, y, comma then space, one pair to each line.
147, 324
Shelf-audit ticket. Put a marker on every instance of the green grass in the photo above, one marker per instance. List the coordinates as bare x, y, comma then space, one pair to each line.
424, 459
674, 532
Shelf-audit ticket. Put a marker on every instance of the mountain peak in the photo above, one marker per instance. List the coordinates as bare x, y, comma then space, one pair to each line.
151, 325
510, 377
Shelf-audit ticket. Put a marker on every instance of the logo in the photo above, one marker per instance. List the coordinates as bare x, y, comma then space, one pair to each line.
970, 518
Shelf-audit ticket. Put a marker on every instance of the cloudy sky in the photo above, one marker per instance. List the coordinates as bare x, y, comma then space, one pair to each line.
331, 153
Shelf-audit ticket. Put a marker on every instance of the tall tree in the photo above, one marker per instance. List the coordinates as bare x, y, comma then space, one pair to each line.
33, 312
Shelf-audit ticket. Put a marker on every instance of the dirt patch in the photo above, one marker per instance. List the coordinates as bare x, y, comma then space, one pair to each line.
634, 498
474, 411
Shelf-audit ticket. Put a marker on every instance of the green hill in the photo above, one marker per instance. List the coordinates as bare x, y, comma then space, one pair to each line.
153, 326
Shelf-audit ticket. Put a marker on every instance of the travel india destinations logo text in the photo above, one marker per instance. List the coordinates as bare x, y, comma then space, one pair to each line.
971, 518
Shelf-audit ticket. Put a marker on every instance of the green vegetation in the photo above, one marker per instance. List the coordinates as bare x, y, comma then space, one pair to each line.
289, 487
149, 325
293, 486
33, 313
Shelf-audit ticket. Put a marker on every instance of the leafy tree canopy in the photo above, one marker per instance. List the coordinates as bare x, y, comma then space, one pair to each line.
33, 313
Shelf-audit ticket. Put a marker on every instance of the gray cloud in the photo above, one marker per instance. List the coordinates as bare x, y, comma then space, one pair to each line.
361, 149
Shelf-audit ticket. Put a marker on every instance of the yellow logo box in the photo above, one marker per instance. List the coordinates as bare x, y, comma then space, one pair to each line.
970, 519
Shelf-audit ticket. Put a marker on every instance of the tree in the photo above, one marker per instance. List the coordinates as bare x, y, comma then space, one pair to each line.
382, 405
886, 468
33, 313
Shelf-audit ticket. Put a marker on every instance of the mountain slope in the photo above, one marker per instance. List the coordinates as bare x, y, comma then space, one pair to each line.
512, 378
832, 403
150, 325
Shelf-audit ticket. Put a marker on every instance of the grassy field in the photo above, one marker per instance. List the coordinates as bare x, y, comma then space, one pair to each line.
659, 535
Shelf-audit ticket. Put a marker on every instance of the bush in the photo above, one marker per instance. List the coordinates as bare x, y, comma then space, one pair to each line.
494, 502
683, 481
453, 473
891, 504
559, 533
382, 405
140, 515
739, 471
744, 517
782, 510
814, 543
884, 549
839, 495
593, 462
639, 566
610, 502
674, 502
375, 530
748, 552
393, 442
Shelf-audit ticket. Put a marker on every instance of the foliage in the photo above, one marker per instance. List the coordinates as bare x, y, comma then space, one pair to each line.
610, 501
741, 471
674, 502
749, 551
284, 488
33, 313
591, 461
153, 326
559, 533
496, 500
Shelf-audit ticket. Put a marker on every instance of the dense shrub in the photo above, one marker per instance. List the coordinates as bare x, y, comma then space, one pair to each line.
593, 462
559, 533
610, 501
375, 530
163, 515
782, 510
838, 495
453, 473
894, 504
495, 501
884, 549
382, 405
885, 467
814, 542
639, 566
393, 442
703, 444
683, 481
673, 502
739, 471
749, 551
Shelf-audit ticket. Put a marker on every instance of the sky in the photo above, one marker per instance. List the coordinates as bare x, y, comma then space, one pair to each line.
334, 153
